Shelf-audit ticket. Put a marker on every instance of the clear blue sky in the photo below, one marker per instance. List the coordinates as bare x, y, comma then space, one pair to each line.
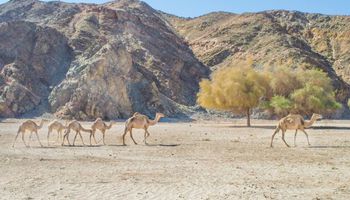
192, 8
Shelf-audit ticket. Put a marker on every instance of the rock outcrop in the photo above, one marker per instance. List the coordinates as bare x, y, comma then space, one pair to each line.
33, 59
272, 38
111, 60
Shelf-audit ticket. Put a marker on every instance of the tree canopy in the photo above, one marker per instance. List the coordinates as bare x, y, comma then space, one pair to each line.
236, 88
240, 88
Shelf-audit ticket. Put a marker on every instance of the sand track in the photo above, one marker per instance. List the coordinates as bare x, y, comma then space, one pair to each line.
200, 160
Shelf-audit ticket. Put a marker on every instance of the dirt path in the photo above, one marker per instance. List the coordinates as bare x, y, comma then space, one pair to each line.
201, 160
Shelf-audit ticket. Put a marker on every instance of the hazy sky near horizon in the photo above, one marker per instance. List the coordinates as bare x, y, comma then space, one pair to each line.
193, 8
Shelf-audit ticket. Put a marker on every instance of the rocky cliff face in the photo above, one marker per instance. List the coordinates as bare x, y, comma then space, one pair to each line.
88, 60
272, 38
32, 59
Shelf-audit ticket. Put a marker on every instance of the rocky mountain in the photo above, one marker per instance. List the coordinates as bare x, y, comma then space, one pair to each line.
272, 38
87, 60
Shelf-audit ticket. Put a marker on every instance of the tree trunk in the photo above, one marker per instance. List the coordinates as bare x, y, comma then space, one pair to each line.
248, 117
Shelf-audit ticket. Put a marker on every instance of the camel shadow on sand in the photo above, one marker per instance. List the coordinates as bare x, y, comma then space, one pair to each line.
150, 145
163, 145
329, 147
274, 127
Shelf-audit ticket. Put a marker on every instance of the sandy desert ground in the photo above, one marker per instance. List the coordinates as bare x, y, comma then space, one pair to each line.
197, 160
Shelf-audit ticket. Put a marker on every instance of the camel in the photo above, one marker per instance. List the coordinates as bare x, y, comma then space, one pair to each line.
58, 126
294, 122
102, 126
136, 113
140, 121
30, 126
77, 127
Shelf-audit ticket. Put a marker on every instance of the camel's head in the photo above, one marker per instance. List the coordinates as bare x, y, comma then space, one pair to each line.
160, 115
316, 116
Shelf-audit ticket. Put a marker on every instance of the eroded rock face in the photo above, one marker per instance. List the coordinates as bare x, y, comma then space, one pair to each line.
123, 58
32, 59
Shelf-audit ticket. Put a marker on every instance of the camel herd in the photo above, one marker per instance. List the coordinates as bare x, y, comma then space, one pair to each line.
140, 121
137, 121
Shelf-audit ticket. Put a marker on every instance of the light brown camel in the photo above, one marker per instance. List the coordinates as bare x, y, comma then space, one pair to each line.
136, 113
77, 127
140, 121
294, 122
102, 126
30, 126
58, 126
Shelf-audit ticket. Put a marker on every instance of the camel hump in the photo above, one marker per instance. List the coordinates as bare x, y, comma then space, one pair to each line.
289, 120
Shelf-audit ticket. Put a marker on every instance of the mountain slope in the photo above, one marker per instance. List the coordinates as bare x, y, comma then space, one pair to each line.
272, 38
118, 58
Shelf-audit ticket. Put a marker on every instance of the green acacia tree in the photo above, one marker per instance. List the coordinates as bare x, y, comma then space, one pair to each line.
237, 88
302, 91
280, 105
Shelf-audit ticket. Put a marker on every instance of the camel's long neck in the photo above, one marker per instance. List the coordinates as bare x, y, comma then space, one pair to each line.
109, 126
41, 124
310, 122
155, 121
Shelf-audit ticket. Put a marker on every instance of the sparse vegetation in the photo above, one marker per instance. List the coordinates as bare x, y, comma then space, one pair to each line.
302, 91
237, 88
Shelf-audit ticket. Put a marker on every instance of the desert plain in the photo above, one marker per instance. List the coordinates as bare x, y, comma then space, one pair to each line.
184, 160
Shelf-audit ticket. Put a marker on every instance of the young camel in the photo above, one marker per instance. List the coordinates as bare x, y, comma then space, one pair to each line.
294, 122
58, 126
77, 127
140, 121
30, 126
102, 126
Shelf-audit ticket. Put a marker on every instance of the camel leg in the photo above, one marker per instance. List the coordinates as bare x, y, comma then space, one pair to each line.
132, 136
273, 135
37, 136
283, 132
81, 137
18, 132
91, 134
103, 136
23, 139
307, 137
66, 135
295, 137
75, 137
64, 138
58, 135
48, 137
94, 136
146, 136
125, 132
